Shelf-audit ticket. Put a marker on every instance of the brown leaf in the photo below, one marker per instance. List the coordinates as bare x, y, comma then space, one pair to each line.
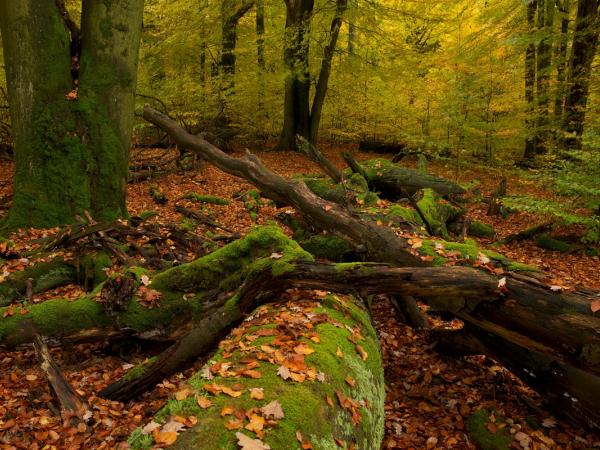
361, 351
273, 410
595, 306
203, 402
247, 443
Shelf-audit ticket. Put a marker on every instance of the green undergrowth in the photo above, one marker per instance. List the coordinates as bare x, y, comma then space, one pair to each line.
305, 405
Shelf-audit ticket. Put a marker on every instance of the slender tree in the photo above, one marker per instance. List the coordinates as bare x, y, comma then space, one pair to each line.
71, 104
585, 42
561, 59
530, 51
545, 22
299, 117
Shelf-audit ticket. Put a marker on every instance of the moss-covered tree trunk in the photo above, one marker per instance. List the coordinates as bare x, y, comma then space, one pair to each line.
71, 102
297, 374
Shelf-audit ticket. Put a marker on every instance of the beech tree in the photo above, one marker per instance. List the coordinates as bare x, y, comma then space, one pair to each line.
71, 96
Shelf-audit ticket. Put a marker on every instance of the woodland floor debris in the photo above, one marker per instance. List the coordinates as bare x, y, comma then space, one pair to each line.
429, 399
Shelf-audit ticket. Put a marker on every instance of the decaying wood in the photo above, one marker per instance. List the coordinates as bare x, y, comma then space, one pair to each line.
381, 243
202, 218
395, 182
317, 157
495, 201
527, 325
528, 233
71, 403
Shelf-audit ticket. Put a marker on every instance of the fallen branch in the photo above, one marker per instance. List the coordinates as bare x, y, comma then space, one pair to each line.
381, 243
71, 403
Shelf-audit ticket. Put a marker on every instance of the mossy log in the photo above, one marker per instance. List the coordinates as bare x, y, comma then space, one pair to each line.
394, 182
183, 294
548, 338
42, 276
436, 212
334, 394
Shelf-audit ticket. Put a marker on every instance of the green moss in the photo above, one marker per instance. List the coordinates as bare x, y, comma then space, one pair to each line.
54, 318
468, 250
139, 370
549, 243
93, 269
483, 438
211, 199
436, 212
327, 246
481, 229
304, 404
44, 275
225, 268
521, 267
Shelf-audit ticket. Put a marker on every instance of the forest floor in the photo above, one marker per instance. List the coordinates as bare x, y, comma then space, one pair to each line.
429, 397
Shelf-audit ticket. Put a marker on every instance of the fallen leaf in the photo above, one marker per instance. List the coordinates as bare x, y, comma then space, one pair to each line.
234, 424
284, 372
273, 410
164, 437
203, 402
231, 392
150, 427
182, 394
257, 393
247, 443
595, 306
256, 423
226, 411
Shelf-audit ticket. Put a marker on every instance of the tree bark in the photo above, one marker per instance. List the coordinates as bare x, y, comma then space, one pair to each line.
530, 139
296, 108
71, 146
583, 50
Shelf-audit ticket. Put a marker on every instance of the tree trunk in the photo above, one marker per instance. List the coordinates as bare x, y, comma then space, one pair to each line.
296, 109
322, 82
530, 139
561, 61
260, 55
71, 108
585, 41
330, 398
545, 23
231, 13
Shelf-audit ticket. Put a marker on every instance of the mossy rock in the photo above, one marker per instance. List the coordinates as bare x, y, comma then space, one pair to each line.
549, 243
477, 427
310, 406
481, 229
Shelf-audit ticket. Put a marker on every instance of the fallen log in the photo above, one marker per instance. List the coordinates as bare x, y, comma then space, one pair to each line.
394, 182
316, 156
380, 242
306, 373
162, 311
